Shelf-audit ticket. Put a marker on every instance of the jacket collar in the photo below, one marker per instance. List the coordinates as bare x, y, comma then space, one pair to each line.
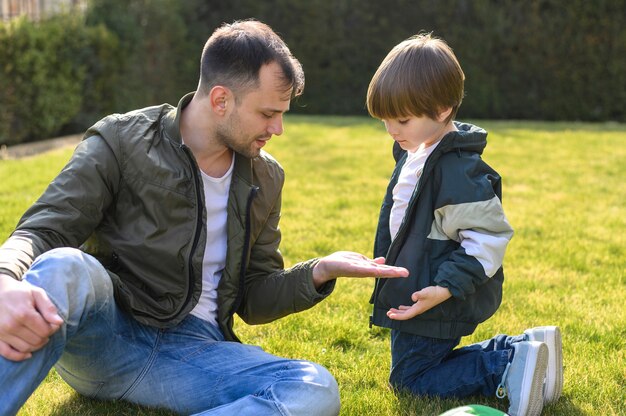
467, 137
171, 120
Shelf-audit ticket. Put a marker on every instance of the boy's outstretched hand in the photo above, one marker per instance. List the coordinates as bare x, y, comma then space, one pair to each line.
351, 264
424, 300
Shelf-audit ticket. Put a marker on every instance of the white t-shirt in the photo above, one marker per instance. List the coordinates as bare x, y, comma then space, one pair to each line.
216, 200
407, 182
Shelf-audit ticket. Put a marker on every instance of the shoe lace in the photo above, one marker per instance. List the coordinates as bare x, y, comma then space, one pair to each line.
501, 389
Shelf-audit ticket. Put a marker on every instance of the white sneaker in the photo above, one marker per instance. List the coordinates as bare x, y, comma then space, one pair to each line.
523, 378
551, 336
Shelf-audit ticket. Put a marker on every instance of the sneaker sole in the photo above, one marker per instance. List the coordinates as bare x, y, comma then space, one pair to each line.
551, 336
531, 390
535, 396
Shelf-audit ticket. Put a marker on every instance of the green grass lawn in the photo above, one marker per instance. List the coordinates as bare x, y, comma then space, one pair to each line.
564, 194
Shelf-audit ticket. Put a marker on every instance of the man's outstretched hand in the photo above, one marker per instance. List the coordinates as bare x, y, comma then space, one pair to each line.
351, 264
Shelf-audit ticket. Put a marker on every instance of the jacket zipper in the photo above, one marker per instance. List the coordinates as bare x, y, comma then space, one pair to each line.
401, 231
244, 254
196, 238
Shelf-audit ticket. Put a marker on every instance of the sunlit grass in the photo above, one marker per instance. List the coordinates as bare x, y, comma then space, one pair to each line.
564, 194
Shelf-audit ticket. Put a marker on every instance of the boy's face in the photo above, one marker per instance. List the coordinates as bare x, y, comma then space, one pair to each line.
412, 132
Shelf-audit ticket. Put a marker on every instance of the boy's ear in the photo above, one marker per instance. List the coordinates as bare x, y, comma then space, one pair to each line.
444, 114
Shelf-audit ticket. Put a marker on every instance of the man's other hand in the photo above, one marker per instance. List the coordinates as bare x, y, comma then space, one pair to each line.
27, 319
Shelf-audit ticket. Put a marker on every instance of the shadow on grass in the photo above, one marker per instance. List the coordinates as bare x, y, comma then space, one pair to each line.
405, 406
564, 406
408, 405
81, 406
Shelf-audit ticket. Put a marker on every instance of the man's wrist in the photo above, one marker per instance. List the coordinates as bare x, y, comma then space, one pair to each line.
320, 276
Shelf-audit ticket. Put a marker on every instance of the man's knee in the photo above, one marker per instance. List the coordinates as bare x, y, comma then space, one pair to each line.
71, 278
330, 393
315, 391
69, 263
65, 257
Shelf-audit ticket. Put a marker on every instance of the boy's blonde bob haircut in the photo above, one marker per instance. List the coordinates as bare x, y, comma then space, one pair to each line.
420, 76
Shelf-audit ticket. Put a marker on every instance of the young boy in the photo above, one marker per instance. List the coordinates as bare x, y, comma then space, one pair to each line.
442, 219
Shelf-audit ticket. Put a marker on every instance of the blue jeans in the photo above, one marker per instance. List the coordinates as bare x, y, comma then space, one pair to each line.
432, 367
105, 354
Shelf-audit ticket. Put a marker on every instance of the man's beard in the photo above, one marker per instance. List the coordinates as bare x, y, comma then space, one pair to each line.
227, 137
228, 141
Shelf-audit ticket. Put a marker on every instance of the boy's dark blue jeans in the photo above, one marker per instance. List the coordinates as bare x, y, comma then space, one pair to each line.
432, 367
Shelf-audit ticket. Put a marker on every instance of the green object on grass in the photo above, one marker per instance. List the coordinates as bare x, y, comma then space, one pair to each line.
474, 409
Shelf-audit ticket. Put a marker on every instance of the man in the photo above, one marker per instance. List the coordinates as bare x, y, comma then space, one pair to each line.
176, 212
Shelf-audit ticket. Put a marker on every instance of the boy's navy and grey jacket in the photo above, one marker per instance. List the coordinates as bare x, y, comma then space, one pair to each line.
454, 234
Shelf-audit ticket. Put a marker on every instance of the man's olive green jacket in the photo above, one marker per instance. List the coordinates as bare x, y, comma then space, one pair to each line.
132, 196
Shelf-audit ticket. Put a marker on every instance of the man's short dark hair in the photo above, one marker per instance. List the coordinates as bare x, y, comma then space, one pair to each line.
235, 53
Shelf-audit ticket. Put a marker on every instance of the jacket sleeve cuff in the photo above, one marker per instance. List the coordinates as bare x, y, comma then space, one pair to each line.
455, 291
324, 291
7, 272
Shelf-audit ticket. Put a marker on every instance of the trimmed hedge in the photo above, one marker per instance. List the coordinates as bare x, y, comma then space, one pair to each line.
49, 73
548, 59
540, 59
159, 62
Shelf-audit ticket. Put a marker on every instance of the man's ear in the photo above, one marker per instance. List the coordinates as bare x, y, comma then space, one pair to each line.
220, 97
444, 114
